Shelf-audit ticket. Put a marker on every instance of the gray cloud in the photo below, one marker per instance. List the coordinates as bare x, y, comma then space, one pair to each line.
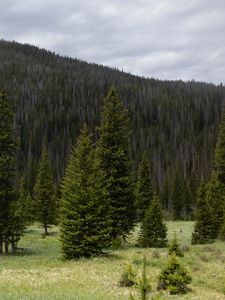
167, 39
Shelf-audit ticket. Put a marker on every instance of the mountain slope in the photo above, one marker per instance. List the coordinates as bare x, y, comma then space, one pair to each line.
53, 96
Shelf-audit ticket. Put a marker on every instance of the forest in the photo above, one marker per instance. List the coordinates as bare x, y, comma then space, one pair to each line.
52, 96
104, 177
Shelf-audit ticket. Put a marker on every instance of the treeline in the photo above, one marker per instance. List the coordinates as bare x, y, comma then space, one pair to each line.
53, 96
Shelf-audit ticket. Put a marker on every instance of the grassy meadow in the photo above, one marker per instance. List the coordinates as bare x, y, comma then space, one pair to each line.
38, 272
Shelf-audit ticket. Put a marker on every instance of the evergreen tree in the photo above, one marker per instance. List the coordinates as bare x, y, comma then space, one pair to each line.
144, 189
174, 277
216, 200
84, 223
177, 197
181, 198
153, 230
204, 221
26, 203
219, 156
8, 197
174, 248
113, 154
165, 195
44, 193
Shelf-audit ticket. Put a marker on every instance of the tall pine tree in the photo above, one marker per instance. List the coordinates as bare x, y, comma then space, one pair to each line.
216, 199
84, 223
44, 193
144, 189
113, 154
204, 221
9, 228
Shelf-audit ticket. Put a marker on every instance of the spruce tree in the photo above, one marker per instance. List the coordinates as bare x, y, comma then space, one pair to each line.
10, 229
84, 222
174, 248
113, 154
144, 189
26, 203
204, 221
44, 193
217, 184
216, 200
153, 231
219, 156
174, 277
177, 197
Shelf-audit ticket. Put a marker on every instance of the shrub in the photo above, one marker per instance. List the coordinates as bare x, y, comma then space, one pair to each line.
174, 277
128, 277
174, 247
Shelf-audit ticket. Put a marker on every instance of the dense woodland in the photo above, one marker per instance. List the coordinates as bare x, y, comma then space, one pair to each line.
52, 97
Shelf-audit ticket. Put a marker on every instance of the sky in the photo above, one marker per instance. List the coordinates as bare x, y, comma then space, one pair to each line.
165, 39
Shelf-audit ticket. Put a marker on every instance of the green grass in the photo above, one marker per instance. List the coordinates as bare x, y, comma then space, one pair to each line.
40, 273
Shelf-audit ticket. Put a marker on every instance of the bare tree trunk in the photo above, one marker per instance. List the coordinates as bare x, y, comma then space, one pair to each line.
1, 245
6, 246
46, 229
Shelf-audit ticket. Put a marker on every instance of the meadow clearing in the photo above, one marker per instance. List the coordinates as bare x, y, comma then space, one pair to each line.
39, 272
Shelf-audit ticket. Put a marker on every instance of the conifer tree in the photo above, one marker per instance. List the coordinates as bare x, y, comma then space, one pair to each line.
219, 157
44, 193
217, 184
153, 230
26, 203
215, 197
204, 221
144, 189
84, 223
174, 277
174, 248
8, 197
165, 195
113, 154
177, 197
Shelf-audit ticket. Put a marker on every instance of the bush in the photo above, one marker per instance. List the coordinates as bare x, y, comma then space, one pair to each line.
128, 277
174, 247
174, 277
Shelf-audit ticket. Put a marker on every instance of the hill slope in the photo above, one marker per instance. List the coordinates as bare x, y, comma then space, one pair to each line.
54, 95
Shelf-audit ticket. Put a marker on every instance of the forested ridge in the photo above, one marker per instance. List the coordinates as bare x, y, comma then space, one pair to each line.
53, 96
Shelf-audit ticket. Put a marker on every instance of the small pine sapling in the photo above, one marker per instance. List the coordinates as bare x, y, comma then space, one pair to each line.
174, 277
174, 248
128, 277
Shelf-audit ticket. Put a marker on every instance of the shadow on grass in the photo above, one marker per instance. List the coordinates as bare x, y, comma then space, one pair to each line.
111, 256
23, 252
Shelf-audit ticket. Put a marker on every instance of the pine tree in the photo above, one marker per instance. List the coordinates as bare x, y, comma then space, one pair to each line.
9, 229
26, 203
219, 157
84, 223
113, 154
44, 193
165, 195
204, 221
177, 197
144, 189
153, 230
216, 199
174, 248
174, 277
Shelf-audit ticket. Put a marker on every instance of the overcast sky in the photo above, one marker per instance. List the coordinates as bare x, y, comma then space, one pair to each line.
166, 39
